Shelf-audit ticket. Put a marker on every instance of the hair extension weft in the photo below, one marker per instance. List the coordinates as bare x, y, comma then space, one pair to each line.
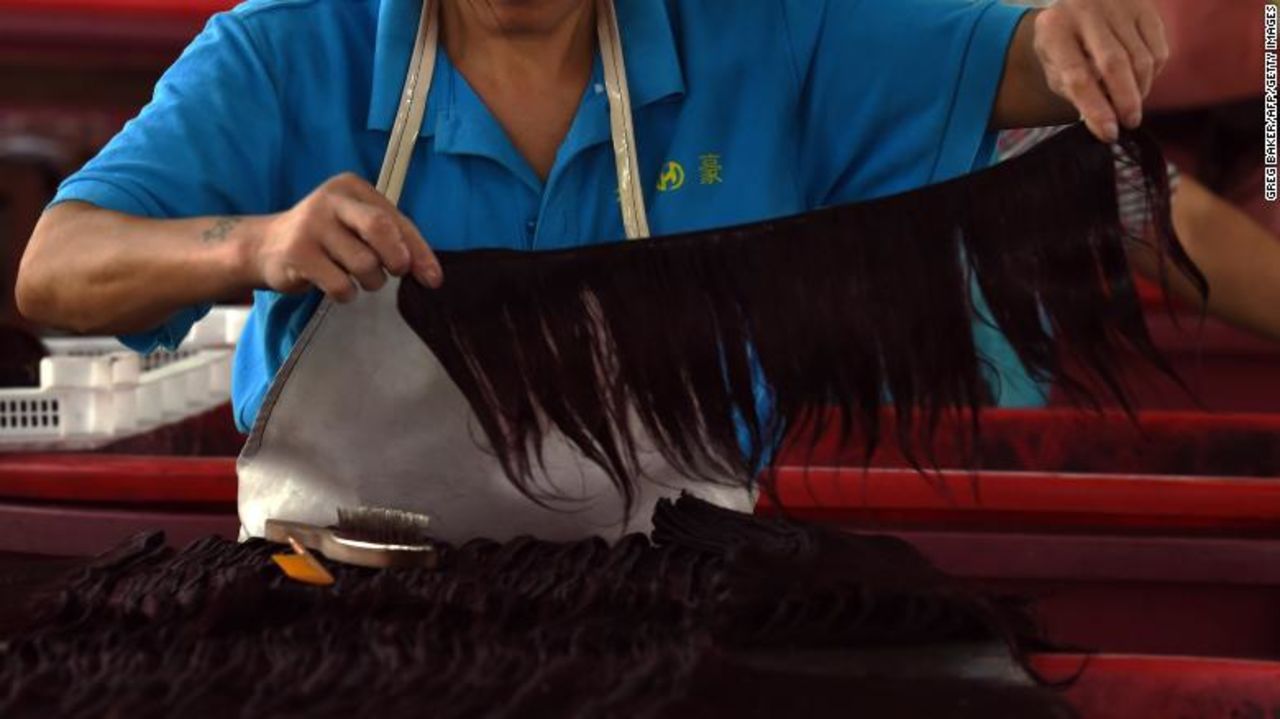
841, 308
721, 614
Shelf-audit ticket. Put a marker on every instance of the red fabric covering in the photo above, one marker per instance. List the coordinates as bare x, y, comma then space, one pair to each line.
1127, 687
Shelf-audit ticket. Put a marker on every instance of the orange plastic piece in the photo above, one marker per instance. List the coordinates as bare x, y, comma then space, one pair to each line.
304, 568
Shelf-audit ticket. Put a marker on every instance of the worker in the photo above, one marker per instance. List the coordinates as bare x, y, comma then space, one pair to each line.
250, 169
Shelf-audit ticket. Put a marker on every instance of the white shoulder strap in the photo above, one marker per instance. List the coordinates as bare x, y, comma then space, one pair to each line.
413, 105
417, 85
630, 186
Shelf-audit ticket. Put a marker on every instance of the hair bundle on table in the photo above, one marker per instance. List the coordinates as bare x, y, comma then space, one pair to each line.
839, 308
720, 614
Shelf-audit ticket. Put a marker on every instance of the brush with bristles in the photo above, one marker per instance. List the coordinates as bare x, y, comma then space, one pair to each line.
380, 525
365, 536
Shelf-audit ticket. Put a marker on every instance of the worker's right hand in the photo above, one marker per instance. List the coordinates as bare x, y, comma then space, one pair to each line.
343, 237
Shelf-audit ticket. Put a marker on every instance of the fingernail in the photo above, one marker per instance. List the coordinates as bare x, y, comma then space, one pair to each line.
1135, 119
429, 275
1112, 131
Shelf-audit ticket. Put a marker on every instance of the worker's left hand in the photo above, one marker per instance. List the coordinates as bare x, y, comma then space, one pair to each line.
1102, 56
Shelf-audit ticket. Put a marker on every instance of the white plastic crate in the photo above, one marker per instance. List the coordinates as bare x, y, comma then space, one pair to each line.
94, 391
220, 328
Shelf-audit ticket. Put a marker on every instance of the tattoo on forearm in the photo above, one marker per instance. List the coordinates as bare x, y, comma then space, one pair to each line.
220, 230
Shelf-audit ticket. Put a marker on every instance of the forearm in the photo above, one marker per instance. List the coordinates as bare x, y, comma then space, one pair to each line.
1100, 55
1025, 98
1240, 258
95, 271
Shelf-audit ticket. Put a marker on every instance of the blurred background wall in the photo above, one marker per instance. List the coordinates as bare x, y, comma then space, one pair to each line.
72, 72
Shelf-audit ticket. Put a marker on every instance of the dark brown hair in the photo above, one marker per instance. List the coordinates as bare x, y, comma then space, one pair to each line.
840, 307
720, 614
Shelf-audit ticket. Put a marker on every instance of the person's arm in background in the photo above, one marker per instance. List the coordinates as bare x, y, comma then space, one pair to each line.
1239, 257
1089, 59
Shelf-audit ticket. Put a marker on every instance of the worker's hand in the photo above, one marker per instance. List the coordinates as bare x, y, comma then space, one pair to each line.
343, 236
1102, 56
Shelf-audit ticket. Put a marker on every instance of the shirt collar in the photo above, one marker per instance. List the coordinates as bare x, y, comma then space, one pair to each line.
648, 45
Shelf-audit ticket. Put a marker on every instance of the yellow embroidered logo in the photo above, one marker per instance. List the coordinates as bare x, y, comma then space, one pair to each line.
710, 169
672, 177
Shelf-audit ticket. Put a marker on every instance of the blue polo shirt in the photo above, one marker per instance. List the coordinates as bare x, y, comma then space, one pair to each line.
743, 110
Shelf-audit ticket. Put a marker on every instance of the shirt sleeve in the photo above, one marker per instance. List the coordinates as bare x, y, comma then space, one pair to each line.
208, 143
895, 95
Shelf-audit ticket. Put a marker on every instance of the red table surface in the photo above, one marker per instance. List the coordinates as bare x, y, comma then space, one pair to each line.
1146, 687
1200, 469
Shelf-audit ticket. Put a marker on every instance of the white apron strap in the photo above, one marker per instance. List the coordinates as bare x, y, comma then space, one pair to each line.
417, 85
630, 186
413, 104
